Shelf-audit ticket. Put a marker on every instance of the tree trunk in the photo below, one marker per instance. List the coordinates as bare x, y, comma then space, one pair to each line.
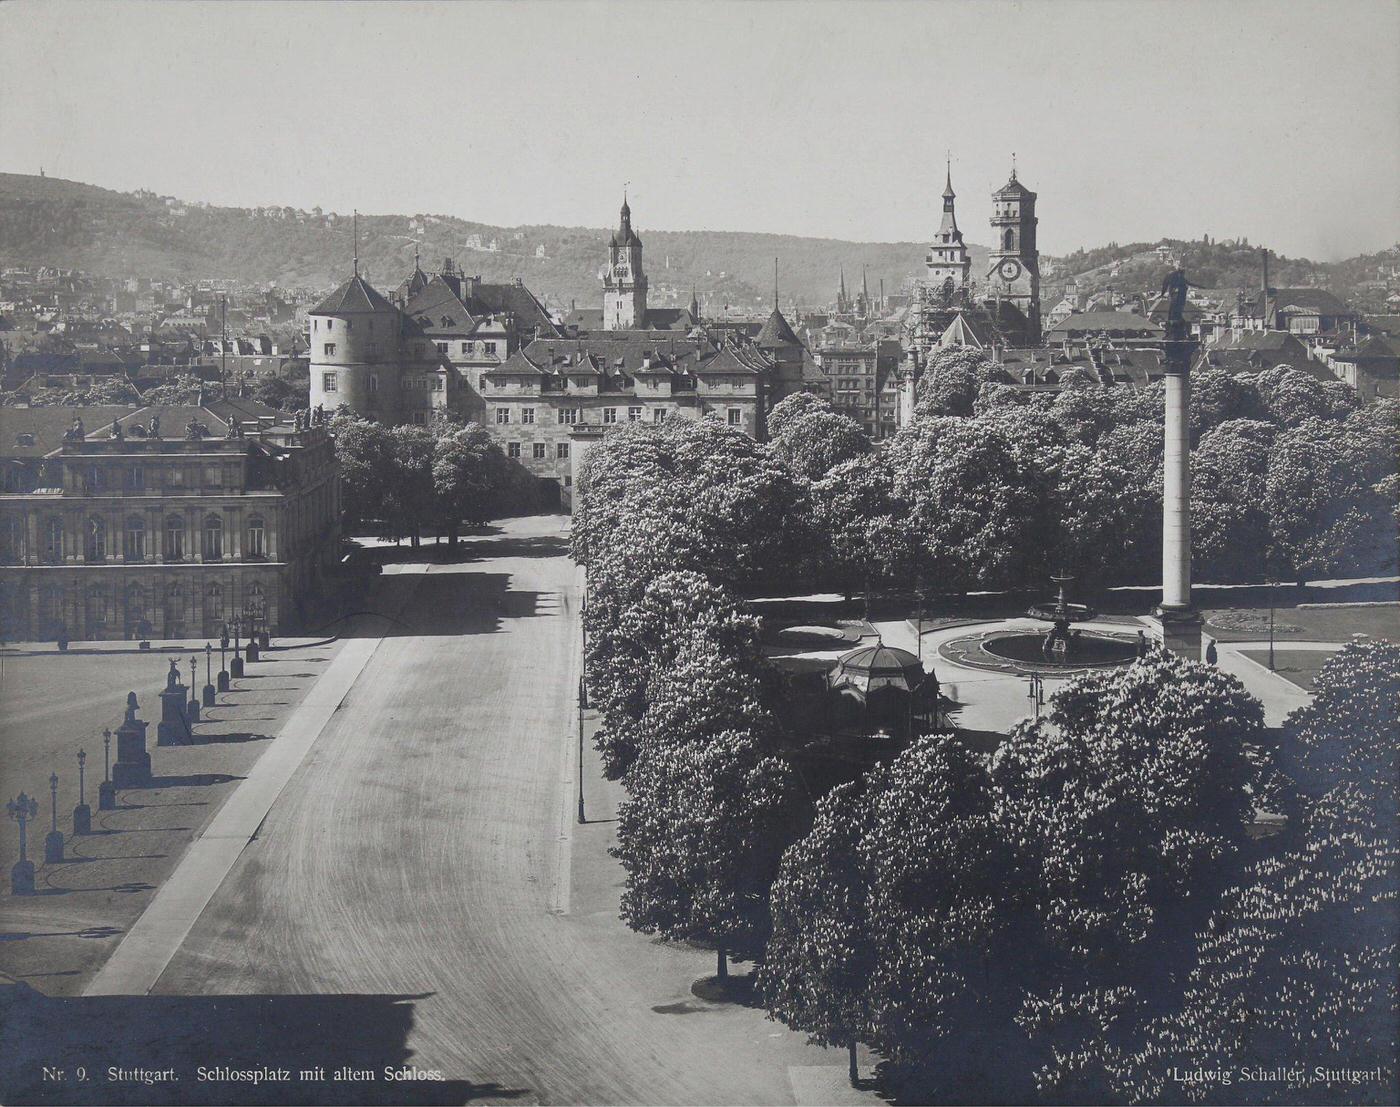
852, 1070
721, 964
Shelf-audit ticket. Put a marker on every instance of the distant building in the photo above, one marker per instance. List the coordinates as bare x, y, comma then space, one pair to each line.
1372, 368
1109, 324
229, 512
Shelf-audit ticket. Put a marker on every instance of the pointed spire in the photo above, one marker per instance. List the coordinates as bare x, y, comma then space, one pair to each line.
843, 282
694, 304
948, 192
357, 240
775, 284
864, 285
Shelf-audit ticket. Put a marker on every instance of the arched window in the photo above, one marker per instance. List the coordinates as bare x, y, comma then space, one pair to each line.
257, 537
1009, 239
174, 538
212, 548
53, 538
134, 539
51, 609
95, 548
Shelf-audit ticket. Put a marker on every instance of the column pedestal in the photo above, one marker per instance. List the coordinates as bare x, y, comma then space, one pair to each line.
1178, 630
133, 767
106, 796
222, 678
53, 847
173, 728
82, 819
208, 695
22, 879
235, 667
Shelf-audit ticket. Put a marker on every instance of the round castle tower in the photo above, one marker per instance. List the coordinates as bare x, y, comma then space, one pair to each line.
354, 335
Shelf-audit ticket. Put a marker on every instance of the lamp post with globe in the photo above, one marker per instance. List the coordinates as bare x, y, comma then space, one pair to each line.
22, 809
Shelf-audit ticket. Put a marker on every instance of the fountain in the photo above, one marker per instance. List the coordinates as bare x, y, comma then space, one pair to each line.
1060, 648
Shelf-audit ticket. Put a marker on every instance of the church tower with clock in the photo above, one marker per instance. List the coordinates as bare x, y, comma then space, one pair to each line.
1014, 271
624, 282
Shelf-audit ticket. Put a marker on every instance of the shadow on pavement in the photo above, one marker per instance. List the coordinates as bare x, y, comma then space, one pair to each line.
300, 1035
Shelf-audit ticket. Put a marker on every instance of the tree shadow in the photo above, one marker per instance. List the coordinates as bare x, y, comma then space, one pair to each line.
300, 1034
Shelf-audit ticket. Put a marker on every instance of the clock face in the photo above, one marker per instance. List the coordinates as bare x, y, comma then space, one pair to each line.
1009, 270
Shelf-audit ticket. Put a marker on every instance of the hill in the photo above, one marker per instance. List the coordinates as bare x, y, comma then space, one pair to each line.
49, 221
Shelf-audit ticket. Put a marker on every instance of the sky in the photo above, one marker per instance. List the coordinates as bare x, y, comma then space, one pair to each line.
1132, 119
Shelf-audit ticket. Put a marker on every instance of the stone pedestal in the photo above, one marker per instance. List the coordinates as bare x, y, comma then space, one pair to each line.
82, 819
133, 767
208, 695
250, 652
192, 711
174, 727
1179, 631
22, 879
53, 847
264, 640
222, 678
106, 796
235, 667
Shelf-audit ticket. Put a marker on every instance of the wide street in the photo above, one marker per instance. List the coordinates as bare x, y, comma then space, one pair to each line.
416, 872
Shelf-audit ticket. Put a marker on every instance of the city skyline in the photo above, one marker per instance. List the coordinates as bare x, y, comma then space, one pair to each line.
762, 100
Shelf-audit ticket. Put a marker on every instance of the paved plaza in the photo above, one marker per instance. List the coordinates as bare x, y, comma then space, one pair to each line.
374, 849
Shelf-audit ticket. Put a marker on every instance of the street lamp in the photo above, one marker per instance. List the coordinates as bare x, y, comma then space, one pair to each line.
1271, 623
235, 665
53, 841
208, 675
106, 791
22, 809
223, 668
82, 814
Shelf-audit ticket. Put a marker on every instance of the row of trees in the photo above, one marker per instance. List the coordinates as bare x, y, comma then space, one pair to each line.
1082, 914
672, 519
413, 479
991, 486
1051, 923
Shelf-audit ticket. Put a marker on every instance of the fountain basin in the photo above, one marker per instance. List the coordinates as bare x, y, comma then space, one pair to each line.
1087, 651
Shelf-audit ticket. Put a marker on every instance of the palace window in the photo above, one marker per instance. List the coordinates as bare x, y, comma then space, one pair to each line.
539, 451
502, 415
212, 548
610, 415
490, 348
736, 417
512, 449
329, 349
634, 414
12, 540
174, 538
568, 415
561, 450
96, 544
466, 348
213, 603
134, 539
328, 382
136, 478
442, 348
527, 415
257, 537
53, 539
658, 415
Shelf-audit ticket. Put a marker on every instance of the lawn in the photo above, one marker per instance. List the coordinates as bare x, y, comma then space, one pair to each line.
1300, 667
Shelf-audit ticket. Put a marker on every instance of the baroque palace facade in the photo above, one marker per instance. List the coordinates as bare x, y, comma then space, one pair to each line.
163, 522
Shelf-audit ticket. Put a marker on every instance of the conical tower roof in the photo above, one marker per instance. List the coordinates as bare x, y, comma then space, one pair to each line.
776, 332
355, 297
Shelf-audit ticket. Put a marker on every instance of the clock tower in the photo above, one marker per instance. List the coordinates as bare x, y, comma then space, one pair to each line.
1014, 271
624, 283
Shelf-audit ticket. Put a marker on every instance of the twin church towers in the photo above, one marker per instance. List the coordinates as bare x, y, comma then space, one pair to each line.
1013, 272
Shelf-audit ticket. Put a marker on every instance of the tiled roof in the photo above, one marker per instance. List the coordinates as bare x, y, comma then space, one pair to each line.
438, 310
512, 299
47, 426
355, 297
776, 333
1103, 321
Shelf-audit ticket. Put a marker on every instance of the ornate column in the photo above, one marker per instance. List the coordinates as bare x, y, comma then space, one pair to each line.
1180, 624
